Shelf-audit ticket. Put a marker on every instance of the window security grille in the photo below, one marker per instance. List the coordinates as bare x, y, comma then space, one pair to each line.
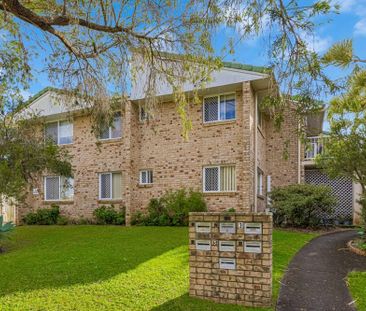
110, 186
58, 188
219, 179
219, 108
146, 177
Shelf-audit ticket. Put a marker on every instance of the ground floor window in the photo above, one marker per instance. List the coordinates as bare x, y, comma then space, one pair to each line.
110, 185
58, 188
219, 178
146, 177
260, 176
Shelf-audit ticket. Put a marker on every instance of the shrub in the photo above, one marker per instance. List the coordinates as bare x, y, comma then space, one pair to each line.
107, 215
5, 228
62, 221
171, 209
44, 216
300, 205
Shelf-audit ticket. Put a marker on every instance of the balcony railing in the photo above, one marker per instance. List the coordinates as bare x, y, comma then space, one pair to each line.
313, 147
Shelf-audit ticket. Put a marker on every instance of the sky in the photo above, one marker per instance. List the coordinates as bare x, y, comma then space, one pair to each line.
350, 23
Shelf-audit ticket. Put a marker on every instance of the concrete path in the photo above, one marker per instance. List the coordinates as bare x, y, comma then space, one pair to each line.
316, 277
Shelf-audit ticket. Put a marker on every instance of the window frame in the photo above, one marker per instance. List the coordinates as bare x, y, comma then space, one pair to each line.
219, 107
218, 180
111, 188
260, 180
110, 129
147, 172
147, 117
58, 130
59, 189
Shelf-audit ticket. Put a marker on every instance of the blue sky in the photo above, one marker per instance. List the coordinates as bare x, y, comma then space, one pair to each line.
350, 23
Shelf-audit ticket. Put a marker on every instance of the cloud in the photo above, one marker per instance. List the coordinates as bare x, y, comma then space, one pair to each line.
360, 27
25, 94
346, 5
316, 43
358, 8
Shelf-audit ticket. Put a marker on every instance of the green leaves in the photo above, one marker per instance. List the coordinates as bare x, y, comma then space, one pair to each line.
340, 54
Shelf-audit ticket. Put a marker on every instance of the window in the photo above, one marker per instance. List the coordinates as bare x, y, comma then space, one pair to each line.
58, 188
259, 117
144, 115
60, 132
146, 177
219, 108
259, 181
219, 179
113, 131
110, 186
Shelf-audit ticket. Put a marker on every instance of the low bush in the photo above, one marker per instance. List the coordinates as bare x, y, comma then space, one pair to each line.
108, 215
301, 205
43, 216
171, 209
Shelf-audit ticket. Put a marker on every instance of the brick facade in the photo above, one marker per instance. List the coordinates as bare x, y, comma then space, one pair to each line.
247, 277
158, 145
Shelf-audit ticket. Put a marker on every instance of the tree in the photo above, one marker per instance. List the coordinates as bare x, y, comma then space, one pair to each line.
345, 148
95, 49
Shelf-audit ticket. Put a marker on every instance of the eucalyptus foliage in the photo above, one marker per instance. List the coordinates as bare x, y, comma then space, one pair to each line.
345, 148
97, 48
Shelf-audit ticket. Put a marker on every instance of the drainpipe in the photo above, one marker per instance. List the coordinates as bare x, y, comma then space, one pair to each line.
255, 152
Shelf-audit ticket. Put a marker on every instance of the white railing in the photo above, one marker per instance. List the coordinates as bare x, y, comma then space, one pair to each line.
313, 147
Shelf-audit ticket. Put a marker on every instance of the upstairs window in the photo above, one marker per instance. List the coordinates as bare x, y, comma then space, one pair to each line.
144, 115
146, 177
60, 132
219, 108
219, 179
58, 188
113, 131
110, 186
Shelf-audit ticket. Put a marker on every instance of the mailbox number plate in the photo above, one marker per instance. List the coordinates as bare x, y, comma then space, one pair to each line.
252, 247
253, 228
227, 246
204, 245
227, 263
227, 227
203, 227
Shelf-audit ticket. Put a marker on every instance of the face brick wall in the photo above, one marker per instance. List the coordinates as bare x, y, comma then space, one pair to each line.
245, 276
282, 148
158, 145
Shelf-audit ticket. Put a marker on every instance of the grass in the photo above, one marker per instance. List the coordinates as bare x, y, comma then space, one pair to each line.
110, 268
357, 286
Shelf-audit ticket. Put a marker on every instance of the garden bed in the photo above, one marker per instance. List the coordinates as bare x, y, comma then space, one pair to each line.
354, 246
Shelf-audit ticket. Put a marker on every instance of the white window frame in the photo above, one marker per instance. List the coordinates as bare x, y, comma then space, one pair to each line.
219, 178
219, 107
58, 130
260, 180
110, 129
147, 172
59, 190
111, 183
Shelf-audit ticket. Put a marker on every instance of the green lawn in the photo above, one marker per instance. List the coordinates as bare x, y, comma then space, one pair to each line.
110, 268
357, 285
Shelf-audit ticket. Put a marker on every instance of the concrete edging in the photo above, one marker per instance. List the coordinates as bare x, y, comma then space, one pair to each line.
355, 249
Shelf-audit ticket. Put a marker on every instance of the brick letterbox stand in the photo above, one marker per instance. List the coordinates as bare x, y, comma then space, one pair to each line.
231, 257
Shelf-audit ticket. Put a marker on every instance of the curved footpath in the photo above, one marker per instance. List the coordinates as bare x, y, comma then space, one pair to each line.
316, 277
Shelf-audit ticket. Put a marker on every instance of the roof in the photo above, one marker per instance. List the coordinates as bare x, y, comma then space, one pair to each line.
260, 69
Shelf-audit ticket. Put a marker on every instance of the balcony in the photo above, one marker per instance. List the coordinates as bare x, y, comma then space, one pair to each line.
313, 146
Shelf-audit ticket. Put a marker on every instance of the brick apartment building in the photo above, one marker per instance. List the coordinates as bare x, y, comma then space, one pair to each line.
234, 154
